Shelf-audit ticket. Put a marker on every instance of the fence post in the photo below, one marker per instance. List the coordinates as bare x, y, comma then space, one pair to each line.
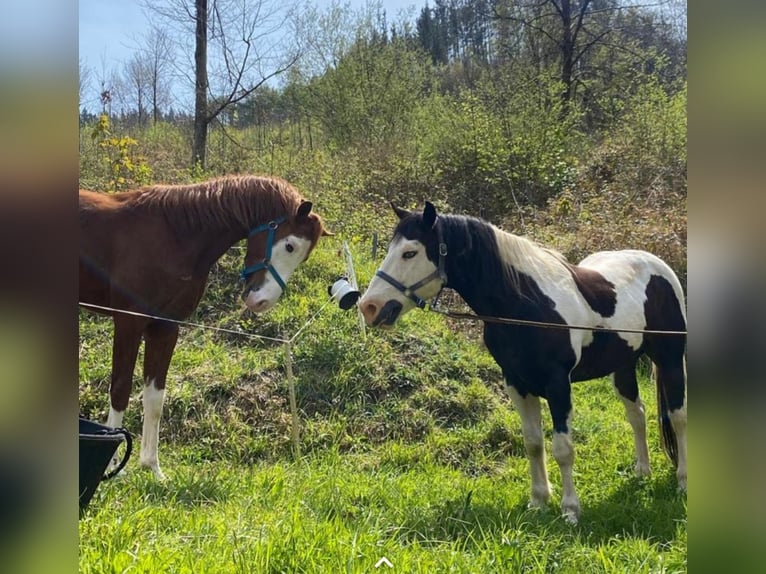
355, 285
293, 403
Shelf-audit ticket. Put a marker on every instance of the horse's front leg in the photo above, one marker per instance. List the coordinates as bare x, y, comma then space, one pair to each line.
160, 341
560, 404
532, 430
127, 338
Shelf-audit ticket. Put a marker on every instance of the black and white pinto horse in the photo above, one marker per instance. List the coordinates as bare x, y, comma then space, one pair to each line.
503, 275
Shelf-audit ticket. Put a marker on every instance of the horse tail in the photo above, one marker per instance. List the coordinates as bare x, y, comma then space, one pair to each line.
667, 434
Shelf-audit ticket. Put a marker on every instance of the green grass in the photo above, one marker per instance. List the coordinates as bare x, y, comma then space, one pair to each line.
333, 512
411, 451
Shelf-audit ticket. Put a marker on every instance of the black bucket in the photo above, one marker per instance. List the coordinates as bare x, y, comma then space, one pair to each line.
98, 443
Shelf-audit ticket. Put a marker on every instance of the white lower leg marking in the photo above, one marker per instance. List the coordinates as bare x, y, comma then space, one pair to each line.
532, 430
152, 399
678, 420
563, 452
114, 419
636, 415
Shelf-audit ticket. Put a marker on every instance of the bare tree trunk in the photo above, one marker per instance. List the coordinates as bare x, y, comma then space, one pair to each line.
567, 55
199, 144
155, 96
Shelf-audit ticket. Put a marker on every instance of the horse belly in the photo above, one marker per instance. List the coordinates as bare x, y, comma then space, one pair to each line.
528, 360
606, 353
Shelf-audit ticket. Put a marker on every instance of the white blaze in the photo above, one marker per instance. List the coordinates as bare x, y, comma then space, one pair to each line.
286, 255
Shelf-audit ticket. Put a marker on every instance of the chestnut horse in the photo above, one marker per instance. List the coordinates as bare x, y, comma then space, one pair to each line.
501, 275
150, 251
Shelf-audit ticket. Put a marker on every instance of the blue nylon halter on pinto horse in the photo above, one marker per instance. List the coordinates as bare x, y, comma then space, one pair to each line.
150, 251
503, 275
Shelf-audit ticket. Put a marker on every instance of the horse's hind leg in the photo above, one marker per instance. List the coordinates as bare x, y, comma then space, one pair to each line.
160, 342
532, 430
627, 389
671, 390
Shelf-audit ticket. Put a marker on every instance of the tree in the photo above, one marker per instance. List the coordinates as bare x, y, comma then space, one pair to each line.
568, 32
157, 56
135, 75
83, 77
238, 46
364, 85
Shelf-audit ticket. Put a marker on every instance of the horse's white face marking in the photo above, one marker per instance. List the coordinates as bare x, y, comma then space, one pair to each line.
286, 255
407, 262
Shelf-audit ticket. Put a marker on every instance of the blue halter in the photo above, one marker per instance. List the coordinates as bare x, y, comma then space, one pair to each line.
271, 227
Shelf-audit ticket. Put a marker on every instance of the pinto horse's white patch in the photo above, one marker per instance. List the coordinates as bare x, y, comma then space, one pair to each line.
630, 272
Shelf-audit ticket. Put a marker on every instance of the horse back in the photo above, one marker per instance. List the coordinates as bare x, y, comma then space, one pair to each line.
649, 296
640, 275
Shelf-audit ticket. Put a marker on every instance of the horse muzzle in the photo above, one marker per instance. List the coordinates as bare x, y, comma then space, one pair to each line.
257, 301
386, 316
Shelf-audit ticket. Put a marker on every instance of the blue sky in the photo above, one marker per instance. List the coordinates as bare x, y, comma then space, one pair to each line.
110, 29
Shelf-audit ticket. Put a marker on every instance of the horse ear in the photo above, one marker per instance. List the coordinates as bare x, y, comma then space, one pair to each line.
429, 215
304, 209
400, 213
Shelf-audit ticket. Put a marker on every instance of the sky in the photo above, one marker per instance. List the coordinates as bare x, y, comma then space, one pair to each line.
109, 31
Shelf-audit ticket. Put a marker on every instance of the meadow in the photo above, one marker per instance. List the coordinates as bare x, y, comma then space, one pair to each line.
411, 454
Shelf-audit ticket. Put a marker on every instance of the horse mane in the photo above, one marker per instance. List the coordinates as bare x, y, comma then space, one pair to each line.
224, 202
515, 254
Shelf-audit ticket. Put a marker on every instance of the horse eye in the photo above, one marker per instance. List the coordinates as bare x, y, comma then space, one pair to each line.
289, 248
409, 254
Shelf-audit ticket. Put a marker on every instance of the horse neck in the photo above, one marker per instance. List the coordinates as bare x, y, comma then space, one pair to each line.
476, 272
211, 245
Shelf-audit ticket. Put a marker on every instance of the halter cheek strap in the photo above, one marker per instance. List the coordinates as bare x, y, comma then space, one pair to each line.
440, 274
271, 228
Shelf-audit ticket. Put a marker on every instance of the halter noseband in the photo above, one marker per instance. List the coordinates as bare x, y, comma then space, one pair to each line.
409, 292
271, 227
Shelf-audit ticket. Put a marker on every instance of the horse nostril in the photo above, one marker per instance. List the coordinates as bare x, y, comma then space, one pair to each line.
370, 310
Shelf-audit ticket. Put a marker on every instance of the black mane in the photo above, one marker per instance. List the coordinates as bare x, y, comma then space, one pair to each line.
475, 264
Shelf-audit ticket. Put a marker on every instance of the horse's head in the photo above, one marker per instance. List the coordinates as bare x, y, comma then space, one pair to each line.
274, 251
412, 271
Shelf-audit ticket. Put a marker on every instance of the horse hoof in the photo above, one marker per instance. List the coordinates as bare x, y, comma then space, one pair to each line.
155, 468
571, 511
642, 470
540, 496
570, 518
114, 463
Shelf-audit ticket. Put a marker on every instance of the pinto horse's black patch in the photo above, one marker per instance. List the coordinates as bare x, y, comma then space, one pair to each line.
596, 289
